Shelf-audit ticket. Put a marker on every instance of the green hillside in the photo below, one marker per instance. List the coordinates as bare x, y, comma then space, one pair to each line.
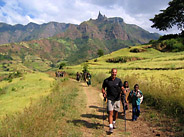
159, 74
77, 44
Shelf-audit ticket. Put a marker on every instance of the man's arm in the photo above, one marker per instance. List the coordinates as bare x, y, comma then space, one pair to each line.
123, 89
104, 93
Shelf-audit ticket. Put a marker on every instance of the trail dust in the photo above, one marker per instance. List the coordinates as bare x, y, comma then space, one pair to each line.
92, 118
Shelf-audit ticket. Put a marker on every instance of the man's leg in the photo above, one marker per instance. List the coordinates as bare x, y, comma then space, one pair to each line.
110, 117
110, 109
115, 112
115, 116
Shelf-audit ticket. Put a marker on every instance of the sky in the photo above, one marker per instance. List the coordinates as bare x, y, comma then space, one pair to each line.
76, 11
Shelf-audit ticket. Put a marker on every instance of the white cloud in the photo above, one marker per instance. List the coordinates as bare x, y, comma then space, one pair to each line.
76, 11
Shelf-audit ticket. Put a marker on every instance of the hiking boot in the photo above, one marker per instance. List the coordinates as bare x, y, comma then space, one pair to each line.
114, 126
110, 130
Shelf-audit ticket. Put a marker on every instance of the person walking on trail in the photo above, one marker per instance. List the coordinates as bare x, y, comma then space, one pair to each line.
136, 95
124, 97
88, 79
111, 89
77, 76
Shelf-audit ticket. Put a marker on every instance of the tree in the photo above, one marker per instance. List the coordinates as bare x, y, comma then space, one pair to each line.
85, 67
100, 52
61, 65
173, 15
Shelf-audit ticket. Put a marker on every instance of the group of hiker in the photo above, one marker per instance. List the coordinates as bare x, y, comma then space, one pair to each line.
85, 76
114, 90
60, 73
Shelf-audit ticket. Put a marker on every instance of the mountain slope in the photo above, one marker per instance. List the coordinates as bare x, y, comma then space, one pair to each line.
17, 33
79, 42
104, 28
109, 34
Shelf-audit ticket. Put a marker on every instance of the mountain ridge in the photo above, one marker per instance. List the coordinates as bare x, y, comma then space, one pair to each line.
77, 43
18, 32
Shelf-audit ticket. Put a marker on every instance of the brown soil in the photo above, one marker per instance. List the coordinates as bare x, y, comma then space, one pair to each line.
92, 119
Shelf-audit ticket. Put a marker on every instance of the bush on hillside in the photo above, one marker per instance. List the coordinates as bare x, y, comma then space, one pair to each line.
171, 45
85, 67
95, 60
5, 57
13, 75
137, 50
123, 59
2, 91
174, 45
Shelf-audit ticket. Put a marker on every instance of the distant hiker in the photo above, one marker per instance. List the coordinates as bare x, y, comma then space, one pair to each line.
84, 76
61, 73
88, 79
56, 73
77, 76
80, 76
113, 87
136, 95
124, 97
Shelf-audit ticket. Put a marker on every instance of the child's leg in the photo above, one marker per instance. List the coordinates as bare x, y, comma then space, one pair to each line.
134, 117
138, 111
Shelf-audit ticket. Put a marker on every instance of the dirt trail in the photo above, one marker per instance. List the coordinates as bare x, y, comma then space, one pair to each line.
92, 118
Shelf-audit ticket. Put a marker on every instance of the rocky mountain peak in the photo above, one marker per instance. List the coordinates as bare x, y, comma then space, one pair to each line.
101, 17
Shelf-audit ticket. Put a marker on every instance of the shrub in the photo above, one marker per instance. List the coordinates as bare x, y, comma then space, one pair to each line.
172, 45
13, 75
136, 50
95, 60
2, 91
85, 67
123, 59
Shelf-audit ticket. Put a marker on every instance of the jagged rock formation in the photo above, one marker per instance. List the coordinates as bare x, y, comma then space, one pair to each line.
73, 43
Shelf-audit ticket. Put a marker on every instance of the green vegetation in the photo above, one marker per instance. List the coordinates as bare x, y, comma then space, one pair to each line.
159, 74
100, 52
123, 59
13, 75
21, 91
62, 65
85, 67
165, 43
5, 57
51, 116
172, 15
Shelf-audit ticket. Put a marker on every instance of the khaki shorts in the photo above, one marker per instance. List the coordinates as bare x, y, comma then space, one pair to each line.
113, 105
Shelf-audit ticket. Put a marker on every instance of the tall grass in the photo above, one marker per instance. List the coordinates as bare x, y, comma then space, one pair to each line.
17, 94
48, 117
97, 79
164, 96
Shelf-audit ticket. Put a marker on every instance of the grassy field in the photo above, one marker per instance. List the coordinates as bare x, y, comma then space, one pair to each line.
50, 116
21, 92
159, 74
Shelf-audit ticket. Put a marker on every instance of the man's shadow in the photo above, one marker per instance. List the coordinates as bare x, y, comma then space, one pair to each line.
85, 123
